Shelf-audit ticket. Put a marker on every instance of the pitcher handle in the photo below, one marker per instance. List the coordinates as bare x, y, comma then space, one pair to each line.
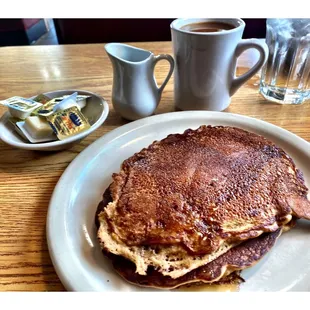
171, 62
263, 54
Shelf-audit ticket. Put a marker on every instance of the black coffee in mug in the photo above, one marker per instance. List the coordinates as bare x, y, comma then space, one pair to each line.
205, 53
207, 27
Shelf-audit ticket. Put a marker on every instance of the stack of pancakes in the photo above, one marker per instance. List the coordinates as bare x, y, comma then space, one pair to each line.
199, 207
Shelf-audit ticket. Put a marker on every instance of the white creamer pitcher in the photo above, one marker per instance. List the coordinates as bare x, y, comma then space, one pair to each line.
135, 93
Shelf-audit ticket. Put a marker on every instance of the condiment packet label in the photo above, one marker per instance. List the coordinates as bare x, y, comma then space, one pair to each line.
42, 98
21, 104
68, 122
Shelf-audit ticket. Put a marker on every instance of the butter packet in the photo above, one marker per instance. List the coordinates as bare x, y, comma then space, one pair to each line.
68, 122
42, 99
80, 99
20, 107
56, 104
66, 103
45, 110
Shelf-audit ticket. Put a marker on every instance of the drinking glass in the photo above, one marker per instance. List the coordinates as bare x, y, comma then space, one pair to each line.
286, 75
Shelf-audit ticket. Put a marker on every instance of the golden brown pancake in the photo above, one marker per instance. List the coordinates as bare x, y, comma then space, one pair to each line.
205, 186
222, 270
189, 198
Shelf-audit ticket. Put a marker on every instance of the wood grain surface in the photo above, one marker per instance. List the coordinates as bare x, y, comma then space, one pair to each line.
27, 178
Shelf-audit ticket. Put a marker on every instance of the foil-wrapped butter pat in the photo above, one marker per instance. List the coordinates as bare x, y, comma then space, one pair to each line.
45, 110
57, 104
42, 98
68, 122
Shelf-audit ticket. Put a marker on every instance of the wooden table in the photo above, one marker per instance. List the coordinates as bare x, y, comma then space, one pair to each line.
27, 178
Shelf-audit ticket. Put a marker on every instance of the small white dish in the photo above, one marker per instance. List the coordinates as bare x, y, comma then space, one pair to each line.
96, 111
71, 231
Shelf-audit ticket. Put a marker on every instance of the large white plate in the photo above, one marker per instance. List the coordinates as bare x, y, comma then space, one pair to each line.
71, 234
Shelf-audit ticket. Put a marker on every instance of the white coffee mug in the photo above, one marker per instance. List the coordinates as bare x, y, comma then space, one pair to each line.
205, 63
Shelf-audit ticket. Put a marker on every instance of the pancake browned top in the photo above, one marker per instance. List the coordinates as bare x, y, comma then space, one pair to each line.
204, 187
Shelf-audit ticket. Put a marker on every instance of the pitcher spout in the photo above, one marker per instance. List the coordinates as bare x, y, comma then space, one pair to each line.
127, 53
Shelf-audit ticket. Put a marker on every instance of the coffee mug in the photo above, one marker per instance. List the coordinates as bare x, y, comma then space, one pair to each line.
206, 52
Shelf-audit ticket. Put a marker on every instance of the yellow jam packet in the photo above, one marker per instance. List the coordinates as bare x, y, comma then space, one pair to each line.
68, 122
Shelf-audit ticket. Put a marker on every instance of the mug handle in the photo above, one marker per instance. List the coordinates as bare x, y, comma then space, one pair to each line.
171, 62
263, 54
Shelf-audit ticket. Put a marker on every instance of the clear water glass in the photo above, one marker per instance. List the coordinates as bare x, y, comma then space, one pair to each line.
286, 75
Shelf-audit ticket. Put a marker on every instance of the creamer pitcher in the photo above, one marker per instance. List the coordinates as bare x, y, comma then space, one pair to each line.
135, 93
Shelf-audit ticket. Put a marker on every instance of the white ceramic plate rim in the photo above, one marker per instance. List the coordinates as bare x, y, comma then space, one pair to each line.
47, 145
56, 229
